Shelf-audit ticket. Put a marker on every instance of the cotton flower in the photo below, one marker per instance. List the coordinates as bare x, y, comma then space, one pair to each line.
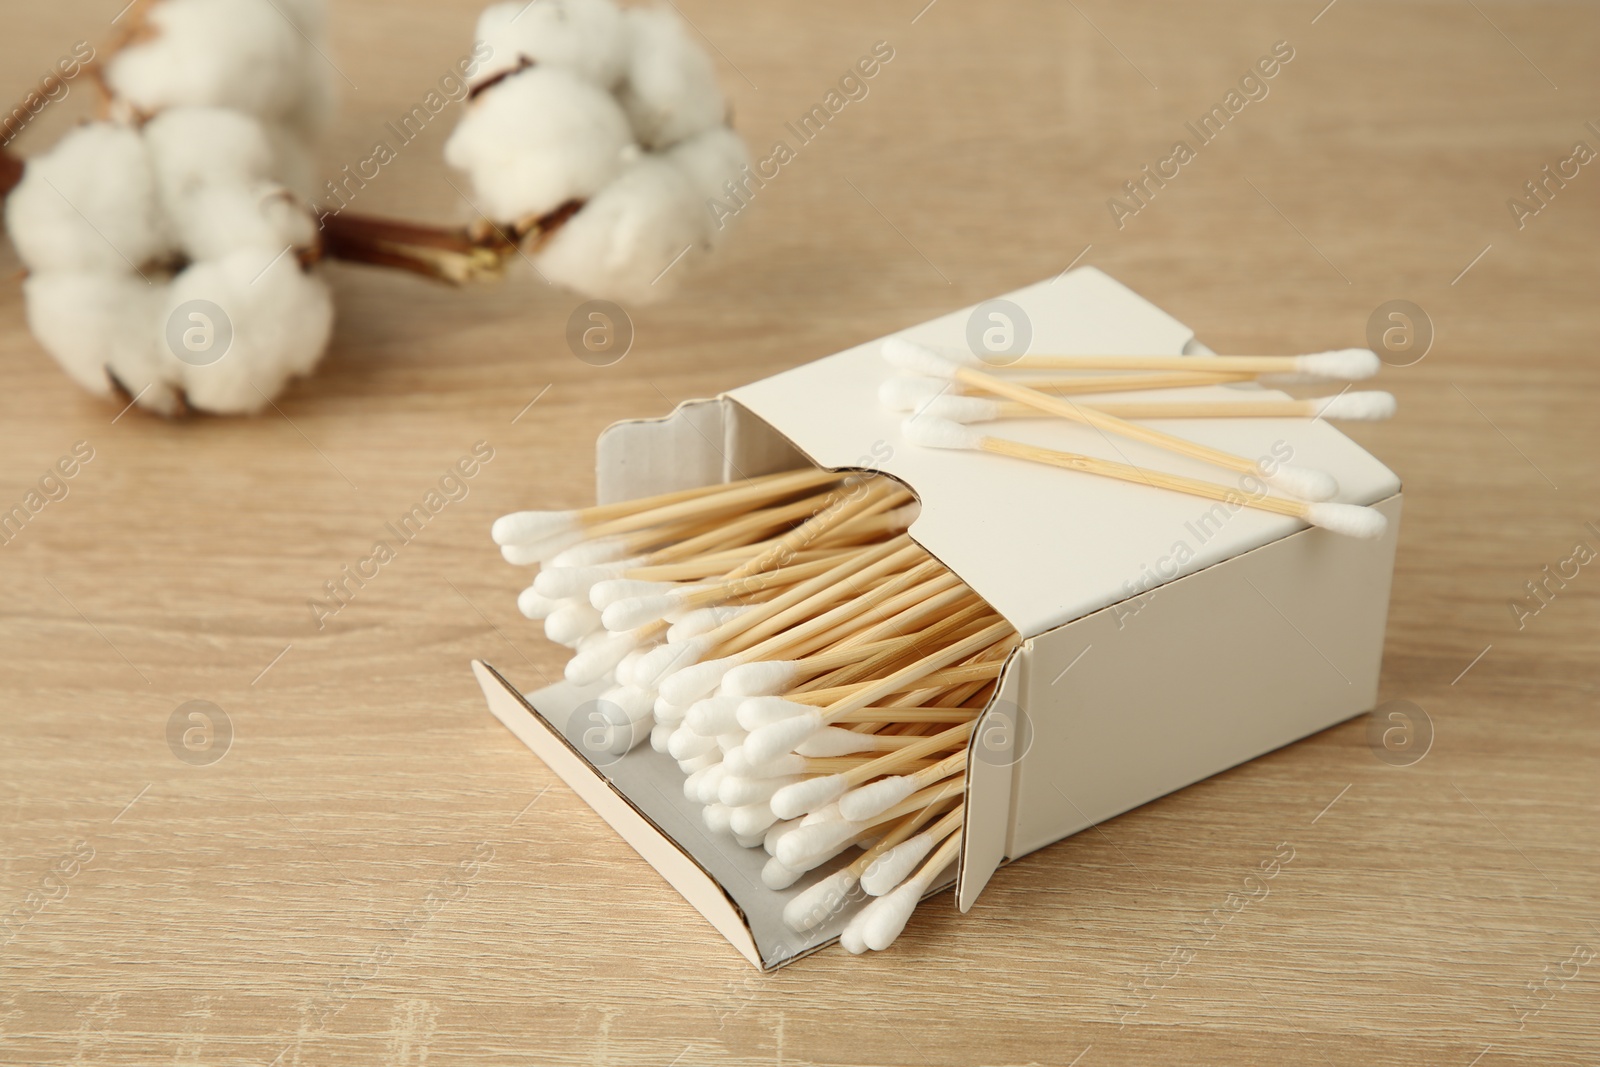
603, 133
164, 262
169, 250
265, 58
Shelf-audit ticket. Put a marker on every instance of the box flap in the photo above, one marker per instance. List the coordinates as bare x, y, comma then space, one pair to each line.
982, 513
641, 796
1002, 736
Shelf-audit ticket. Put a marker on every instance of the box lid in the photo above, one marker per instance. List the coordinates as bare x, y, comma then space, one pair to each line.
1046, 546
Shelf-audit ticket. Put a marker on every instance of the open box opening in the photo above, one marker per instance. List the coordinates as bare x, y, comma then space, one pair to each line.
1165, 638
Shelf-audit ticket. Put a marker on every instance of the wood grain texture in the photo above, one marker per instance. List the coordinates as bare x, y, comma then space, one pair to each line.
377, 872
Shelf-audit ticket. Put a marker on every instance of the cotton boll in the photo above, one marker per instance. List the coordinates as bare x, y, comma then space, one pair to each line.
89, 204
626, 243
537, 140
670, 90
711, 160
583, 36
95, 323
218, 220
280, 317
244, 54
191, 147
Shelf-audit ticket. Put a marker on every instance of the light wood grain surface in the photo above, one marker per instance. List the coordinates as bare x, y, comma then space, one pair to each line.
376, 872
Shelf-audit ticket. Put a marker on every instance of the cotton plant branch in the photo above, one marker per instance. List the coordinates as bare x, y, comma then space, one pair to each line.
157, 237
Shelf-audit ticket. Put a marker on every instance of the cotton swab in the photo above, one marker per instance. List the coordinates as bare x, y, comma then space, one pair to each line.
1346, 364
531, 527
1348, 519
882, 920
891, 866
1302, 482
1356, 407
822, 900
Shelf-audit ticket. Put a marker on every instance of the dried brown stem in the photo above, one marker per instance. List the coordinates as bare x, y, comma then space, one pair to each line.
455, 256
10, 172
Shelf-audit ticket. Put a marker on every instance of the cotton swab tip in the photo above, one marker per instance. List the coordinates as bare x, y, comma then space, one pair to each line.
716, 817
776, 877
809, 794
884, 918
850, 938
664, 659
1371, 406
930, 431
687, 745
535, 605
1304, 483
961, 409
735, 791
594, 661
876, 797
801, 845
834, 741
895, 865
756, 712
591, 553
571, 623
819, 902
751, 819
1368, 524
526, 527
696, 680
1347, 364
714, 715
739, 763
769, 742
908, 392
918, 359
759, 679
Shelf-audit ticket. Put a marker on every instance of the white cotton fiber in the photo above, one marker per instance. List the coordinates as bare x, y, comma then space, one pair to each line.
711, 160
670, 90
218, 220
98, 323
192, 147
89, 204
281, 319
583, 36
244, 54
538, 139
633, 241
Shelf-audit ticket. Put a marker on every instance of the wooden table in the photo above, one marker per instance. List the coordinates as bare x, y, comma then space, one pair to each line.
376, 872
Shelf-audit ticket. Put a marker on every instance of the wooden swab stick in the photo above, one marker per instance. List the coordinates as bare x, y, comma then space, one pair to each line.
824, 589
629, 515
1346, 363
937, 680
800, 619
1364, 407
876, 497
767, 742
807, 795
910, 392
739, 531
1305, 483
1347, 519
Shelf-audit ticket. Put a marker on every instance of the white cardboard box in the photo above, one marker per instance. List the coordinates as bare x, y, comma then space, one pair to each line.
1166, 639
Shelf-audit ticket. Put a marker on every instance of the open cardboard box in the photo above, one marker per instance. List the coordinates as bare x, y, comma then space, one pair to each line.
1166, 638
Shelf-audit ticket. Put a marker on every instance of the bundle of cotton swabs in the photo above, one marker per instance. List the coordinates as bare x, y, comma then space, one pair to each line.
946, 394
815, 673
